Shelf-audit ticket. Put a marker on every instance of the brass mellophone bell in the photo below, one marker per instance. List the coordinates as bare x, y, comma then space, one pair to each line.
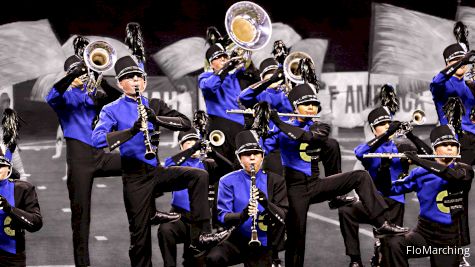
254, 242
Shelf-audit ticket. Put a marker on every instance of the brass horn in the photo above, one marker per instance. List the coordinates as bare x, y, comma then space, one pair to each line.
248, 25
99, 56
418, 117
291, 66
216, 138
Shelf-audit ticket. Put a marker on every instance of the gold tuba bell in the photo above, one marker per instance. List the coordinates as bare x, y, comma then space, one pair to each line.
291, 66
248, 25
99, 56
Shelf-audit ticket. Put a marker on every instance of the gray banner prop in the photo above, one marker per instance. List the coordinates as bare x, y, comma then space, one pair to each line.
408, 43
29, 49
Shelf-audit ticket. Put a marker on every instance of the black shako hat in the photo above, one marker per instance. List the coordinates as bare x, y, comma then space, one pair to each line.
302, 93
126, 65
71, 62
247, 141
267, 65
454, 51
214, 51
184, 136
443, 134
378, 115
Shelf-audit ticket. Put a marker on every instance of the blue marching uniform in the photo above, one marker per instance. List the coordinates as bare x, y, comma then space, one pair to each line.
304, 187
443, 87
77, 111
142, 177
442, 200
233, 198
24, 215
221, 95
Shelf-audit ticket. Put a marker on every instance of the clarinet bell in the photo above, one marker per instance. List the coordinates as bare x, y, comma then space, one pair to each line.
254, 242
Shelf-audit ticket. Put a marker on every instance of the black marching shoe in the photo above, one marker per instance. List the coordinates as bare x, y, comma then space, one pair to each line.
356, 264
207, 241
341, 201
163, 217
389, 229
276, 263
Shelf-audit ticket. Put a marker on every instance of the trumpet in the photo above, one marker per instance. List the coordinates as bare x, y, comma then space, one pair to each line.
418, 118
254, 242
149, 151
251, 112
99, 57
216, 138
401, 155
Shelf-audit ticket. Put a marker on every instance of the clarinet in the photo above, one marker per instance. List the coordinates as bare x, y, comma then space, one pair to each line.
149, 154
254, 242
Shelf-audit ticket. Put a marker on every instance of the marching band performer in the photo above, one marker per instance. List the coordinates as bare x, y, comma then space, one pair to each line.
239, 201
77, 110
270, 90
221, 88
19, 207
351, 216
172, 233
450, 82
442, 189
119, 123
304, 187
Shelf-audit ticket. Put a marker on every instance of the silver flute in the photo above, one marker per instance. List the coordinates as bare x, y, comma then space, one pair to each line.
251, 112
401, 155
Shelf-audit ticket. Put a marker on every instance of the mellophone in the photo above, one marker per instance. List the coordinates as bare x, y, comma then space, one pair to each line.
401, 155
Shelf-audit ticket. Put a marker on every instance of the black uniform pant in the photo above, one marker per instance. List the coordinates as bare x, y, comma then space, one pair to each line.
230, 130
140, 181
236, 250
303, 190
353, 215
169, 236
12, 260
427, 235
330, 155
84, 163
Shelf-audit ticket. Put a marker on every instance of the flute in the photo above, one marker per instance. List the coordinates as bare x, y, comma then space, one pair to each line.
401, 155
251, 112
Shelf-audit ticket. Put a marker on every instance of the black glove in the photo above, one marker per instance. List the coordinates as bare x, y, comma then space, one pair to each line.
197, 145
244, 214
78, 70
277, 76
321, 130
274, 116
394, 126
151, 115
4, 205
469, 58
228, 66
412, 156
136, 127
262, 199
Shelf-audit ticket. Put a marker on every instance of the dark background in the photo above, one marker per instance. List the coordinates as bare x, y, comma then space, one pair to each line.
345, 23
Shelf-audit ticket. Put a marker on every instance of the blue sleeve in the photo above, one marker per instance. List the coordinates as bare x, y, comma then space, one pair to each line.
169, 162
225, 200
56, 99
272, 142
360, 150
210, 84
437, 86
249, 97
105, 125
406, 185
